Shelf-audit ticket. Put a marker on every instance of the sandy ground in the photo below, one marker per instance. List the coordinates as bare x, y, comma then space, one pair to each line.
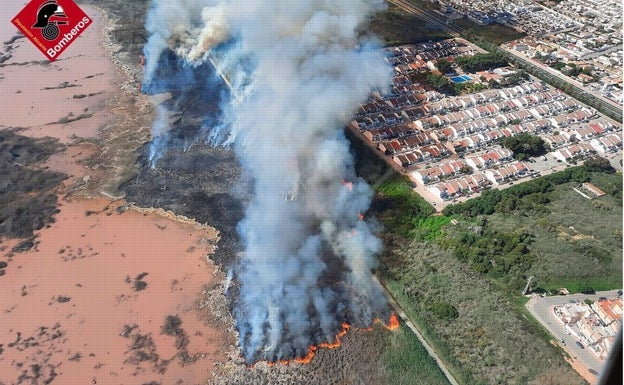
582, 370
86, 305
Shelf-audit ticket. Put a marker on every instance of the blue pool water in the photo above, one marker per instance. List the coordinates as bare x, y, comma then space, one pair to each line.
461, 78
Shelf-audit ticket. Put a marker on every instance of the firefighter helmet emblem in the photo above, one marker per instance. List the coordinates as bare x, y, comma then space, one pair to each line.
49, 16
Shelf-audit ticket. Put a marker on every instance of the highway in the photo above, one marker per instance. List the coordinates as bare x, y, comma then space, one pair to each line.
542, 310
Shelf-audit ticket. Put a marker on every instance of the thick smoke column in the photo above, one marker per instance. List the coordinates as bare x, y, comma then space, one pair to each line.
298, 71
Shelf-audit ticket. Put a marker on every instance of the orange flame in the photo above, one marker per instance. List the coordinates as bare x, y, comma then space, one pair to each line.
393, 324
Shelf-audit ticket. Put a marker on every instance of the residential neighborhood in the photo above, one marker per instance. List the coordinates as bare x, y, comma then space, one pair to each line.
450, 145
595, 325
580, 38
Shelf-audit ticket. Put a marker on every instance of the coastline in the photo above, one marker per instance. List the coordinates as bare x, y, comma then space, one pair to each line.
88, 302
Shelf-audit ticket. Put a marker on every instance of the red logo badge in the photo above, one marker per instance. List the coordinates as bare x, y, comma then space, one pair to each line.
52, 25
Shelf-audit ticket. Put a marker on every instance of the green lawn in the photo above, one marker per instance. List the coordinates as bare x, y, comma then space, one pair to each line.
401, 209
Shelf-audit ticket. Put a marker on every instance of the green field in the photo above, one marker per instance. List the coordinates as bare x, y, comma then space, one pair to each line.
408, 362
543, 228
461, 283
495, 33
396, 27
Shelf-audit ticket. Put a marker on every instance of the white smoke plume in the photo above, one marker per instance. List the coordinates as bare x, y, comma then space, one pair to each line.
297, 70
160, 131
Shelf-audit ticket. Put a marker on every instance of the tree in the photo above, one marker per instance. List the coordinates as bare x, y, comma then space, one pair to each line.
481, 62
599, 164
466, 169
444, 310
171, 326
526, 145
444, 66
587, 289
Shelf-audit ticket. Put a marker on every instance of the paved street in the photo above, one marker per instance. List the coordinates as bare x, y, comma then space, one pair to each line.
542, 310
607, 103
454, 31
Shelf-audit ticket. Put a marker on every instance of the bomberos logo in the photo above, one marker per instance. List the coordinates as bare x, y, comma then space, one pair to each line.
52, 25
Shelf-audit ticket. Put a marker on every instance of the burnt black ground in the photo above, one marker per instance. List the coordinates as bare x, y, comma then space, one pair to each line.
197, 183
27, 192
204, 182
192, 178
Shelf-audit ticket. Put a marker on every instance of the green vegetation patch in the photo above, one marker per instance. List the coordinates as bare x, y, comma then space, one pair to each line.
430, 228
494, 34
531, 230
444, 310
482, 61
526, 145
461, 283
396, 27
399, 207
487, 340
408, 362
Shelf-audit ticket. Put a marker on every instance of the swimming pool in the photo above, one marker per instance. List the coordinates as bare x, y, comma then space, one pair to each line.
461, 79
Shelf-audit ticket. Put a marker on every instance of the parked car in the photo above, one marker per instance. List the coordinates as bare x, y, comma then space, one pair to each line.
602, 299
592, 371
580, 345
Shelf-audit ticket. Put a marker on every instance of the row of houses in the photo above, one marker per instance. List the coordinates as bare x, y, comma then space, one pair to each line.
467, 185
463, 186
580, 133
411, 58
581, 150
386, 124
431, 153
440, 171
574, 152
453, 179
477, 132
405, 138
452, 168
557, 114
